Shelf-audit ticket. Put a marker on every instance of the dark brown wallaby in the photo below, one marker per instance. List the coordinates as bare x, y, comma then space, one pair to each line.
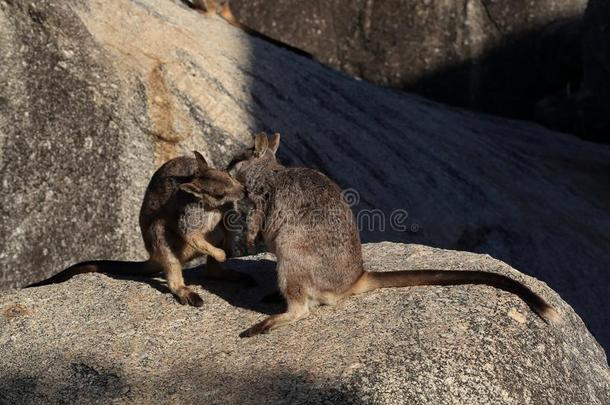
180, 220
313, 233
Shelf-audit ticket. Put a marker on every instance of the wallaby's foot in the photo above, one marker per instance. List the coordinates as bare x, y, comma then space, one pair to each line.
258, 329
294, 313
190, 297
175, 281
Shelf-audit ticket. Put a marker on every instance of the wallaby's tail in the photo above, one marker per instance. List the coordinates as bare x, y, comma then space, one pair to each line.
373, 280
113, 267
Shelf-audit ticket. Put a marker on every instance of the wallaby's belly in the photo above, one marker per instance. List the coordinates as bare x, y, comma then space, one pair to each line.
322, 264
313, 233
195, 218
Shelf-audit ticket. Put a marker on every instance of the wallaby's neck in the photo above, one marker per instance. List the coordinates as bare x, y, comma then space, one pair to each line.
260, 182
263, 173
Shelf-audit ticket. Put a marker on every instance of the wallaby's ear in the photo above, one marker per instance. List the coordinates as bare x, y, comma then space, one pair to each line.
274, 142
201, 162
260, 144
191, 189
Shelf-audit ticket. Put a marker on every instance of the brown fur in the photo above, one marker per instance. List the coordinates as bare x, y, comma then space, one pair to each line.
206, 7
180, 220
223, 10
304, 220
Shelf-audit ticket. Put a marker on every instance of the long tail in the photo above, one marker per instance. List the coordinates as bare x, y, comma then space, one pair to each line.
112, 267
373, 280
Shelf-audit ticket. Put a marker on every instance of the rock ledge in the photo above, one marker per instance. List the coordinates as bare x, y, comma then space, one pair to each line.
98, 339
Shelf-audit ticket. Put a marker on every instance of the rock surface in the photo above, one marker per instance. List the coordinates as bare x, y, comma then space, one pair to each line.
97, 339
494, 56
596, 45
587, 111
95, 94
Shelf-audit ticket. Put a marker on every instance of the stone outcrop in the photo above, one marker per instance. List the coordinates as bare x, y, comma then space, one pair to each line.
95, 339
586, 112
95, 94
499, 57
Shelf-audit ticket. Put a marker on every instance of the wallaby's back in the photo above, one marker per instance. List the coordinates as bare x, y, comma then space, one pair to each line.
159, 198
308, 212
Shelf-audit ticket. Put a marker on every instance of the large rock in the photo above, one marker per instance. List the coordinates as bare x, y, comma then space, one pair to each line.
586, 112
96, 339
96, 94
87, 113
493, 56
596, 45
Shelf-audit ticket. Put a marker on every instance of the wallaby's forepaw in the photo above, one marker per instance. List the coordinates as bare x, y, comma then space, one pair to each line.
190, 297
220, 256
258, 329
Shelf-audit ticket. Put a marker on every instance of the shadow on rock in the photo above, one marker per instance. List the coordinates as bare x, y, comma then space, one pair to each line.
263, 297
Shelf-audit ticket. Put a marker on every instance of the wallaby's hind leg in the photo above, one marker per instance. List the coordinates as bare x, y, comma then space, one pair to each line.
298, 307
163, 258
175, 282
296, 311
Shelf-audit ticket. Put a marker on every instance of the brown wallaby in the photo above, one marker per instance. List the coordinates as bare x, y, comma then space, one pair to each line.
313, 233
223, 10
210, 7
180, 220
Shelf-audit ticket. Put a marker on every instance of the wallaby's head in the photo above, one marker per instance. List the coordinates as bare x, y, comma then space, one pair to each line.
261, 154
212, 186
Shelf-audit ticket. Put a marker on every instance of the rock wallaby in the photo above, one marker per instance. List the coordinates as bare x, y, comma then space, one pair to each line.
304, 220
180, 220
223, 10
213, 7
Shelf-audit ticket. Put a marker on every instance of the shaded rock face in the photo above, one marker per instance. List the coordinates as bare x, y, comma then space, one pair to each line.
596, 38
130, 341
494, 56
134, 83
587, 111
